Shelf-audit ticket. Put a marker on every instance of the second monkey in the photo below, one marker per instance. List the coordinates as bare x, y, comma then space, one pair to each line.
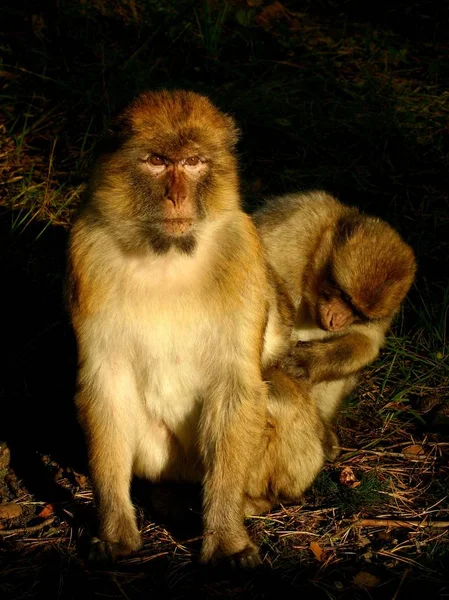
346, 274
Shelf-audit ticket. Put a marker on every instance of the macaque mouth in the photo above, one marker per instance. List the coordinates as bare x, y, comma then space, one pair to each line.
177, 226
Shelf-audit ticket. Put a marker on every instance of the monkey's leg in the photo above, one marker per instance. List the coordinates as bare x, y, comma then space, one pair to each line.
231, 428
328, 396
110, 461
292, 447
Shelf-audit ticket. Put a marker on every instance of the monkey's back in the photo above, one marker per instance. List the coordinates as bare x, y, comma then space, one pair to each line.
291, 227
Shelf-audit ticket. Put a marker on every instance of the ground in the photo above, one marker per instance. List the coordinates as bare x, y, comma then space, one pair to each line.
327, 95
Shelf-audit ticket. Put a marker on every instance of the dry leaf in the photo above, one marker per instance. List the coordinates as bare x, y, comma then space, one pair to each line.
10, 510
270, 13
363, 579
414, 450
348, 478
47, 511
317, 551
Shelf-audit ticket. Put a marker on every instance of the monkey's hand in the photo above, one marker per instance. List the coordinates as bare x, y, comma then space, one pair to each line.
299, 360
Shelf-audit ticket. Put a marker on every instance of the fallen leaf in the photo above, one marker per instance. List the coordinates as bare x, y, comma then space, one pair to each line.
10, 510
317, 551
348, 478
413, 450
363, 579
47, 511
270, 13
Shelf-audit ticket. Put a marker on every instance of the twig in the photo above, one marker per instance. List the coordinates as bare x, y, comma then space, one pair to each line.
290, 533
412, 457
31, 529
397, 523
406, 572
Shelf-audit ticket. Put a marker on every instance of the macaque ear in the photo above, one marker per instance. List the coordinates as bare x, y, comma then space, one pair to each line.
233, 132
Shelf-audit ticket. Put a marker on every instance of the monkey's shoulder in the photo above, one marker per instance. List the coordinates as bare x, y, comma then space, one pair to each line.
240, 251
242, 234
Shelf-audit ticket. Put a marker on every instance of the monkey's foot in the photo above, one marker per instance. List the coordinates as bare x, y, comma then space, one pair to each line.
331, 445
223, 554
103, 553
249, 558
256, 506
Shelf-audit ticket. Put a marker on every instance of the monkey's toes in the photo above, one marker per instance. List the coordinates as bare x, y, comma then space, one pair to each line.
101, 554
332, 445
249, 558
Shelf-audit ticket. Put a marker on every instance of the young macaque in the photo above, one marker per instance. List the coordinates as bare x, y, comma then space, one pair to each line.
346, 274
176, 313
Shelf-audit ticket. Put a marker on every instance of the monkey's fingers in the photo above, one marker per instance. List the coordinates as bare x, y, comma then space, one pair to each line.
304, 345
294, 366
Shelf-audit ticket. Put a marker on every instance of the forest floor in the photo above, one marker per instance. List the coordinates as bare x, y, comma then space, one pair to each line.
351, 100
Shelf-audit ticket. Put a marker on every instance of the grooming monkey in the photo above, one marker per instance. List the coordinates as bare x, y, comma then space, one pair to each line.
176, 314
346, 274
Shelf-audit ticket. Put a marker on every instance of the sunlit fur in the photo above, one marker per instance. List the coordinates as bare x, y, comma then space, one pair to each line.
347, 274
174, 328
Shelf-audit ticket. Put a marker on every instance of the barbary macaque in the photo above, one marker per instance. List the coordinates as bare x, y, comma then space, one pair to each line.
347, 274
176, 315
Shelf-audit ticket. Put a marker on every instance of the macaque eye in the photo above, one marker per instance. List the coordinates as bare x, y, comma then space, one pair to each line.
156, 160
347, 299
192, 161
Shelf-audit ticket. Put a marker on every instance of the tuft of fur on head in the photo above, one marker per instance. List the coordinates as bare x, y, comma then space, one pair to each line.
371, 264
183, 115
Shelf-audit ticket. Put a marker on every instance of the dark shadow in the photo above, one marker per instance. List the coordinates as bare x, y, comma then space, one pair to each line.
39, 357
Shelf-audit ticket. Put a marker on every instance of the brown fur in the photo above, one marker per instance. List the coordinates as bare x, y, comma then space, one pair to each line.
347, 274
292, 449
175, 314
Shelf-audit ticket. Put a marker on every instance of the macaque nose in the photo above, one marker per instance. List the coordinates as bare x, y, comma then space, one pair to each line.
176, 193
177, 197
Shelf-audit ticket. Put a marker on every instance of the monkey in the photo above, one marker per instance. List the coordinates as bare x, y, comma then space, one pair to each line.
178, 319
347, 274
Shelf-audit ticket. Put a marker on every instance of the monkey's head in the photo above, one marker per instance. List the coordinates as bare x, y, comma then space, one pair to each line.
172, 168
369, 272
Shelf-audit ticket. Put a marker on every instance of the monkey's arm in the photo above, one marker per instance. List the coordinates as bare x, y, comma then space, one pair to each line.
234, 410
335, 357
233, 419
